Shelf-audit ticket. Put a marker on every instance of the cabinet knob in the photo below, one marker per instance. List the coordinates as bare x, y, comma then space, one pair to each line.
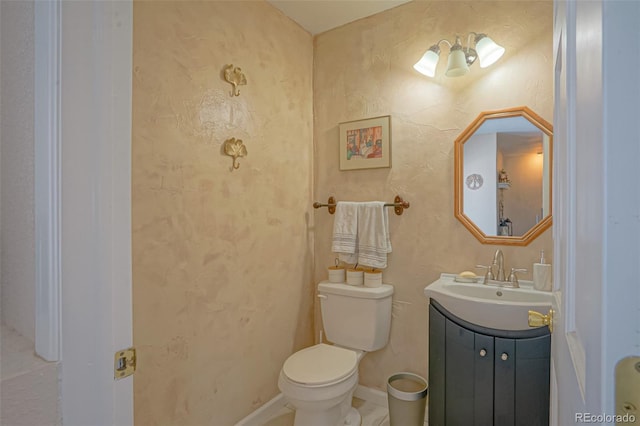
483, 352
504, 356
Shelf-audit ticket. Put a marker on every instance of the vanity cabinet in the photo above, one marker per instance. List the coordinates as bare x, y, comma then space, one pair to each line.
483, 376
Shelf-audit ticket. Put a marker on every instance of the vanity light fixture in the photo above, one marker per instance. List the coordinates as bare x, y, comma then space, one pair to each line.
460, 57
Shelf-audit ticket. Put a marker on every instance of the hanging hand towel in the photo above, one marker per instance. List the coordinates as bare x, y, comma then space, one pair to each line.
345, 232
373, 234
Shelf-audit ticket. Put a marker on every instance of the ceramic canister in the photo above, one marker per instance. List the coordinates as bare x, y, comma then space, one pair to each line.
373, 278
336, 274
355, 276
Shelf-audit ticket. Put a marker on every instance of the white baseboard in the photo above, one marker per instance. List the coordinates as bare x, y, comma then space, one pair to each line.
379, 398
277, 403
267, 411
372, 395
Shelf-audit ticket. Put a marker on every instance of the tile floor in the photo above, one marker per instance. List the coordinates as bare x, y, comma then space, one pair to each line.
372, 414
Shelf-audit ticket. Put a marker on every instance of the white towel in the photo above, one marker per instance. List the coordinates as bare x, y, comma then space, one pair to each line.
373, 234
345, 232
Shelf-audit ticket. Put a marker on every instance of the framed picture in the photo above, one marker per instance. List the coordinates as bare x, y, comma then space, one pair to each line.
365, 144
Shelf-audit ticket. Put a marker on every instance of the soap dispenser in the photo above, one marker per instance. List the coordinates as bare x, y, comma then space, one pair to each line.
542, 274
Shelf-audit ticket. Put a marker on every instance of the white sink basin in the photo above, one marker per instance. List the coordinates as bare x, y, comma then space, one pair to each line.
502, 308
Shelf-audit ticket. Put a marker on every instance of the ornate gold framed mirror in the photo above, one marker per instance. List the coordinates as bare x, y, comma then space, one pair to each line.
502, 177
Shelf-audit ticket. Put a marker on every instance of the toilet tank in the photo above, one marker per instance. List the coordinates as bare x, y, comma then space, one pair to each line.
356, 317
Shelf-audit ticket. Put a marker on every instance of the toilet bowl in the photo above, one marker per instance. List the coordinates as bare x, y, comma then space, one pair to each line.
319, 382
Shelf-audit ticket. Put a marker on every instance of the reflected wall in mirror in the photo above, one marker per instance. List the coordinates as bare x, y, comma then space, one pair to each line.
503, 176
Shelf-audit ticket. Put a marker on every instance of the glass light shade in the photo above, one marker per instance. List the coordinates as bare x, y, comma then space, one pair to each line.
457, 64
427, 64
488, 51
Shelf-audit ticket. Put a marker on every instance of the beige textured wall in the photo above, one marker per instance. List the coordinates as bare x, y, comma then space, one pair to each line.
17, 187
222, 259
364, 69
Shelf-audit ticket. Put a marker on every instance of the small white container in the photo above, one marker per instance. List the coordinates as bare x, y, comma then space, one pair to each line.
355, 276
373, 278
336, 274
542, 275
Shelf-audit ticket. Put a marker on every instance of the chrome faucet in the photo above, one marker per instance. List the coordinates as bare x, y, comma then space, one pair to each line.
499, 277
498, 260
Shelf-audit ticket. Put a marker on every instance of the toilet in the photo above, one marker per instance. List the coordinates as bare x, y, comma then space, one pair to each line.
319, 381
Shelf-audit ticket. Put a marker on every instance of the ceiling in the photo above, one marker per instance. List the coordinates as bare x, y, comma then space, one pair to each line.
317, 16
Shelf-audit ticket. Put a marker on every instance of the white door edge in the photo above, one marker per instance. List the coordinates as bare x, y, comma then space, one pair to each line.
95, 117
47, 179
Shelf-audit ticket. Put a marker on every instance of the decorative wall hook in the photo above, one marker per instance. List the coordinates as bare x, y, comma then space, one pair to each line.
234, 76
235, 148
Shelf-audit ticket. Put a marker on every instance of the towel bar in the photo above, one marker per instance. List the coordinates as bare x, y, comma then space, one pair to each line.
398, 205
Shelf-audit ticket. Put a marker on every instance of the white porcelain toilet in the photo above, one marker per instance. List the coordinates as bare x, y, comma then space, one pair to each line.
319, 381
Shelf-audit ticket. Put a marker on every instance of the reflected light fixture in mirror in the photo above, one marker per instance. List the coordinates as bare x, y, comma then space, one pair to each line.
460, 57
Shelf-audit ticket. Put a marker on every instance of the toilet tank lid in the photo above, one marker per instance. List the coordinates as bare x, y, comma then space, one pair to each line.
385, 290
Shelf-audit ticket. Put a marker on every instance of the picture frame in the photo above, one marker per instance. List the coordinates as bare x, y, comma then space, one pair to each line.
365, 144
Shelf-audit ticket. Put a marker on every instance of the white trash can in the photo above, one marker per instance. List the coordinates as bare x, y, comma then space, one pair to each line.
407, 397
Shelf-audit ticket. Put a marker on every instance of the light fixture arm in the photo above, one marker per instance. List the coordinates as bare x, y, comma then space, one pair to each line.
445, 41
476, 35
469, 38
436, 47
471, 53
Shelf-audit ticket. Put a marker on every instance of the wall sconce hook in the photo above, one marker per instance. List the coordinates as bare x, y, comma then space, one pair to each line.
235, 148
234, 76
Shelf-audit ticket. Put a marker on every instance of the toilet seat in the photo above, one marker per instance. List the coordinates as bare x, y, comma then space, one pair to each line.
320, 364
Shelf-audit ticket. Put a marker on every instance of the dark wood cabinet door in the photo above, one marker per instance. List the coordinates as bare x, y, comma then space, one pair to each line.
504, 382
532, 381
483, 380
459, 375
437, 327
485, 377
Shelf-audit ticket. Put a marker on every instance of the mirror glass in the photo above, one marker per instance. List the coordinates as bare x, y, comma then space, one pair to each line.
503, 176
